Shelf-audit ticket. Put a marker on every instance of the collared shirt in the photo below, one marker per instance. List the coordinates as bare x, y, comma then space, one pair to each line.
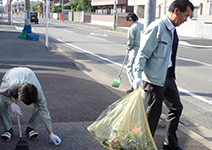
171, 26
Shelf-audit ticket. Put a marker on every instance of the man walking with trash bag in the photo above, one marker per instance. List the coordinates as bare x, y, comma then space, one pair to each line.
21, 83
155, 67
133, 44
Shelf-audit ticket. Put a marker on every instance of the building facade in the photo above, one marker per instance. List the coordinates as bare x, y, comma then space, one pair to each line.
106, 7
104, 11
200, 25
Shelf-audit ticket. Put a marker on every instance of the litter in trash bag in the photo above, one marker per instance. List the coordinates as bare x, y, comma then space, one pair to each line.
22, 36
27, 29
33, 37
123, 125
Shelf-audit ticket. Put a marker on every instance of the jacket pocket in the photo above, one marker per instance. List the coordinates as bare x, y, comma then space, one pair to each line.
161, 50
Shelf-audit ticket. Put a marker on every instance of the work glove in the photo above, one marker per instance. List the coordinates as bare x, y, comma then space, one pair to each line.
137, 83
15, 109
55, 139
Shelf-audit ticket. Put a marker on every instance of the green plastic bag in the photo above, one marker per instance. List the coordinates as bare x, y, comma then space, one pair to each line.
22, 36
123, 125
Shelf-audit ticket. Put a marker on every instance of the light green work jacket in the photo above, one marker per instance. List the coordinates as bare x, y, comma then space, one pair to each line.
11, 82
152, 59
133, 37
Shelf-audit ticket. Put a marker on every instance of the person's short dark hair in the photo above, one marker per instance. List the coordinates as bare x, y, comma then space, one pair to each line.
132, 16
28, 93
181, 4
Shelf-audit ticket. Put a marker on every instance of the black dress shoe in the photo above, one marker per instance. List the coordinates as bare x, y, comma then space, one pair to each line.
170, 147
130, 90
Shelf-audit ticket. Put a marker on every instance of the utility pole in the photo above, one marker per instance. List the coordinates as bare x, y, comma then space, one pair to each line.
164, 7
150, 10
44, 8
2, 9
47, 15
8, 11
49, 3
62, 12
115, 16
27, 12
11, 11
21, 7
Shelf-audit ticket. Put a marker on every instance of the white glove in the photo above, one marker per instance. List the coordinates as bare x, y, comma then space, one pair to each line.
55, 139
15, 109
137, 83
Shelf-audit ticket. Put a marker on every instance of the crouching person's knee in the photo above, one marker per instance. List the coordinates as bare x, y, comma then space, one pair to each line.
3, 105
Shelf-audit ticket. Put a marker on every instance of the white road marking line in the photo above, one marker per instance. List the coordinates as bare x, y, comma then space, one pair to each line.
97, 34
199, 62
83, 50
195, 96
18, 28
191, 45
68, 31
115, 63
96, 38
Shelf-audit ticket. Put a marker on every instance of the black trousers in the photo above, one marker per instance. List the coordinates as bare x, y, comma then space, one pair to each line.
168, 94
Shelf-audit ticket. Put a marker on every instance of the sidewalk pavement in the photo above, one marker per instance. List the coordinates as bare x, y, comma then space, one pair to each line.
73, 134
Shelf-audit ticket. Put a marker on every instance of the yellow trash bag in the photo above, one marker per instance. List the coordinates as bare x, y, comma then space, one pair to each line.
123, 125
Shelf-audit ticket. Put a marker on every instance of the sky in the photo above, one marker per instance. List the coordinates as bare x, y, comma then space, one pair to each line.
4, 2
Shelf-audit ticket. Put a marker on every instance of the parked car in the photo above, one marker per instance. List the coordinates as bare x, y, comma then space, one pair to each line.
34, 17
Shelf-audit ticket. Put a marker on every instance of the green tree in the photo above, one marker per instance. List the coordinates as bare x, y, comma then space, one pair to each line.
66, 7
81, 5
56, 9
86, 5
37, 7
74, 5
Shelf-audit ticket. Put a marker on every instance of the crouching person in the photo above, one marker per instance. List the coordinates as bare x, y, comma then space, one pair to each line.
22, 84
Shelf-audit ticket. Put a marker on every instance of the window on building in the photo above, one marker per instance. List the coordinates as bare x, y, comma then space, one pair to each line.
110, 10
119, 9
210, 9
104, 11
99, 11
195, 13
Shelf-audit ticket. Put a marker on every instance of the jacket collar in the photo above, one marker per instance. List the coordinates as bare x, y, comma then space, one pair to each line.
168, 23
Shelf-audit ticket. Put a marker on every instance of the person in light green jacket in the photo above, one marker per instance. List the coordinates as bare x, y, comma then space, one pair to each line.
155, 69
133, 44
21, 83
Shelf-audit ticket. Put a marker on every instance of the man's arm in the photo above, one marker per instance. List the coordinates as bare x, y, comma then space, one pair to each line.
43, 110
42, 106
